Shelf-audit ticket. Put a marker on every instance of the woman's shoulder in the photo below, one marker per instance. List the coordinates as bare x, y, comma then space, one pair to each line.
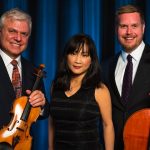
102, 87
102, 92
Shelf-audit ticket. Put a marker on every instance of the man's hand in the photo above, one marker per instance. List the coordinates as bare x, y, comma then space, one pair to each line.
36, 98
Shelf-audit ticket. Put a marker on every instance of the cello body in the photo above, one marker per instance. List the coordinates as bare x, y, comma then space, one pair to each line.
136, 133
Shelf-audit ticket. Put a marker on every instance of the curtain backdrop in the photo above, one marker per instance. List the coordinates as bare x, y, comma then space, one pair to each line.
54, 21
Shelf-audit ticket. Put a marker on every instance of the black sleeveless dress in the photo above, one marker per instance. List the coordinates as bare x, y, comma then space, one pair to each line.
76, 120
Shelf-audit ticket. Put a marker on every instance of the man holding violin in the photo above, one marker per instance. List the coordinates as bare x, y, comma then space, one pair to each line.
15, 30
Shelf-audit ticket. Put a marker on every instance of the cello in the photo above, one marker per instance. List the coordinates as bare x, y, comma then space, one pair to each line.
17, 132
136, 134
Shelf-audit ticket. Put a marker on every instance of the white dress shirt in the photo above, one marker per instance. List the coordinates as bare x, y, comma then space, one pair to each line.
7, 61
122, 62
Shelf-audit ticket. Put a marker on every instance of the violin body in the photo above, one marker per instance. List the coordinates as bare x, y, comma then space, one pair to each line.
136, 133
17, 133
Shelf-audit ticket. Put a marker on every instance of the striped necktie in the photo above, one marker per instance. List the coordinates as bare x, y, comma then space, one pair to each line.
16, 80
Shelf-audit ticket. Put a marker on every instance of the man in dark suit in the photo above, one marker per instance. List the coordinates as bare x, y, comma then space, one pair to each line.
15, 29
130, 26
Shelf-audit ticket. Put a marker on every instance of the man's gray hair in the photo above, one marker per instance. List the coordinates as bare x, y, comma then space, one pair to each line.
16, 14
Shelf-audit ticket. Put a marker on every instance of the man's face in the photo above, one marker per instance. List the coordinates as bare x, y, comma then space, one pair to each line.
14, 37
130, 30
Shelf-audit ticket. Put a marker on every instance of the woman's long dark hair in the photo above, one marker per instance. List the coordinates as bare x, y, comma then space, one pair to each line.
64, 75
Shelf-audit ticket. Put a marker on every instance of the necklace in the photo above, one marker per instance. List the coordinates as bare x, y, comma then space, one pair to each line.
73, 89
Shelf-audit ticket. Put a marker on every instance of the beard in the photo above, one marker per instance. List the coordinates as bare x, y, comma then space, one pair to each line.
130, 46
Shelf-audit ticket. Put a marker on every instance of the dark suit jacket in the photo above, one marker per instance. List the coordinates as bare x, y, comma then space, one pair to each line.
7, 94
139, 96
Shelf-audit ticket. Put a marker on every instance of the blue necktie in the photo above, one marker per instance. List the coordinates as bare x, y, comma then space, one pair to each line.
127, 80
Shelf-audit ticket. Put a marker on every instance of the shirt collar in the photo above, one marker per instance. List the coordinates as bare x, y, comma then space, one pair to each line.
136, 54
8, 59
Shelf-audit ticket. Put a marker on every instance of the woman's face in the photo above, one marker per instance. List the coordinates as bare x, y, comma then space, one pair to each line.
79, 61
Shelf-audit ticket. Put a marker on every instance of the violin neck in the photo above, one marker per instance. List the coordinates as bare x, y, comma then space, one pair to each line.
36, 84
27, 109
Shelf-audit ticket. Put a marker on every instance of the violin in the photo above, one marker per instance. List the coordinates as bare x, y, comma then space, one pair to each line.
17, 133
136, 134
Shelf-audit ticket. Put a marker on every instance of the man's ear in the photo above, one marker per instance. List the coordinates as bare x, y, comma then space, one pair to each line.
143, 28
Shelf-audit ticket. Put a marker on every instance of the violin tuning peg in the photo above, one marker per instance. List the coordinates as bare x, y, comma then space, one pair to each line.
42, 66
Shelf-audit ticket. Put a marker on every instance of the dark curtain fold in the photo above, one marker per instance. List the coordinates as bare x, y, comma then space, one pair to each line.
54, 21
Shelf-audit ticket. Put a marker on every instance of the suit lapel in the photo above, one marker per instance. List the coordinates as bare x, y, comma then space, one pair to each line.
112, 73
113, 82
141, 77
6, 84
28, 77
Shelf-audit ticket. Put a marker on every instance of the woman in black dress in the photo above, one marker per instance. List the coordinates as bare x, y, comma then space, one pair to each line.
79, 100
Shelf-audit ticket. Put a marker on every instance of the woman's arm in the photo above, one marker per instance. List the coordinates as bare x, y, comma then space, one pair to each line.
103, 99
